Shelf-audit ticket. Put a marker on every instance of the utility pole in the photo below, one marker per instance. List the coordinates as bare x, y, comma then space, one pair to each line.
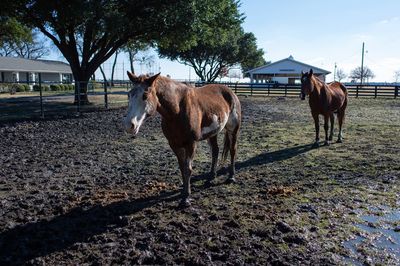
334, 73
362, 65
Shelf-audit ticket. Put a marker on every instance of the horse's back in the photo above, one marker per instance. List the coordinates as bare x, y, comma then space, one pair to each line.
338, 94
217, 94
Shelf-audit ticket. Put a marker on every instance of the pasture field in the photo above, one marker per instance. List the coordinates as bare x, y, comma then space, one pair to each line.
79, 190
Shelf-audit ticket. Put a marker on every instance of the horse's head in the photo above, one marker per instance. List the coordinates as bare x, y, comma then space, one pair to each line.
307, 85
142, 102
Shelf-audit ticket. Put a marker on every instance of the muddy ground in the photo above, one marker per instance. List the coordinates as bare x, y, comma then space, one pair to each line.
80, 191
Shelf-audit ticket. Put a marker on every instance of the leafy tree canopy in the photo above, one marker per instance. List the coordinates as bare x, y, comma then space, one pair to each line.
88, 32
220, 41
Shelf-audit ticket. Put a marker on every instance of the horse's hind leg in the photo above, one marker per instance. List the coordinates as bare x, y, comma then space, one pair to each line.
233, 149
332, 118
341, 113
213, 142
326, 127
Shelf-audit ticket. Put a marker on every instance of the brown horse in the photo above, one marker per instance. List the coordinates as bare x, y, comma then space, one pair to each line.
188, 115
324, 99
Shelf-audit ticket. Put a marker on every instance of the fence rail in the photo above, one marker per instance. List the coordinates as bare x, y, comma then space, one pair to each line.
288, 90
49, 98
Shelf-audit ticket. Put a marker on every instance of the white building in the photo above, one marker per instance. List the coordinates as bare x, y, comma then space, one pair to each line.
285, 71
21, 70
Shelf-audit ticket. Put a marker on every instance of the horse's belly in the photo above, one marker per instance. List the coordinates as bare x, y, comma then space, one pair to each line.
214, 127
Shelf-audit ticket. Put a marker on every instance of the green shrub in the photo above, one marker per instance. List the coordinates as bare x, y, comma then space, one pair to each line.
26, 87
55, 87
17, 87
45, 87
4, 88
36, 87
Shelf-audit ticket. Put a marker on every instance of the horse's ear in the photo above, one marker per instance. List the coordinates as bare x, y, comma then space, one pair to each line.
132, 77
151, 80
302, 72
311, 72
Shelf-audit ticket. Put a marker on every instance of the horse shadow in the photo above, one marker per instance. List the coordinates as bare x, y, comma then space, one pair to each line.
275, 156
25, 242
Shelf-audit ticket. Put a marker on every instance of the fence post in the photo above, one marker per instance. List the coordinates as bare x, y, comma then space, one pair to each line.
376, 91
357, 91
251, 89
105, 95
396, 91
269, 86
41, 96
236, 88
285, 90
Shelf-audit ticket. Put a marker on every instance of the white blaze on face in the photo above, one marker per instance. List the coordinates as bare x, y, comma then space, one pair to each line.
137, 110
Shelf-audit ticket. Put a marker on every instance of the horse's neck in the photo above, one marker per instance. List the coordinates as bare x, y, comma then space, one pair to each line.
318, 86
169, 94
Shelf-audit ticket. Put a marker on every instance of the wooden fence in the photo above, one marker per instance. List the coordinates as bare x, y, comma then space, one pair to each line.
287, 90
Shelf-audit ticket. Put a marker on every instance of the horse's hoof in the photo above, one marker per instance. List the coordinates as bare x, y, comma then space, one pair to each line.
185, 202
231, 180
316, 144
339, 141
212, 176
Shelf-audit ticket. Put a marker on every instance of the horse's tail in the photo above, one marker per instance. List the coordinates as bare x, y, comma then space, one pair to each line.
227, 145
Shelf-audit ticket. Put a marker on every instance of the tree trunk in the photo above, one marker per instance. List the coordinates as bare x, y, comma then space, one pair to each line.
82, 95
81, 87
113, 68
131, 59
104, 75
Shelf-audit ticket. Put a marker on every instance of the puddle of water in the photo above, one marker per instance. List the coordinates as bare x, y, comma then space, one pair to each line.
381, 234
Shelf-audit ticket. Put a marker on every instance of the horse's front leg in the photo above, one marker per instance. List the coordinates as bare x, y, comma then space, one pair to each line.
213, 142
316, 122
185, 158
326, 127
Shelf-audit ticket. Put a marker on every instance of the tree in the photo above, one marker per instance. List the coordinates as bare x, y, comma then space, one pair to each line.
88, 32
132, 48
11, 33
113, 67
366, 74
340, 74
397, 75
10, 28
251, 56
220, 41
32, 48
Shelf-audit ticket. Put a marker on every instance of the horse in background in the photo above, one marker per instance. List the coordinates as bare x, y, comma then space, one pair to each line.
324, 99
188, 115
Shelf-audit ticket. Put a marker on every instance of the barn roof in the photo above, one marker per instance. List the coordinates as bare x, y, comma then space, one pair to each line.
286, 66
33, 65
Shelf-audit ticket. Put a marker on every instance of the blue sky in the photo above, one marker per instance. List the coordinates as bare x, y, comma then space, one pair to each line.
319, 33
